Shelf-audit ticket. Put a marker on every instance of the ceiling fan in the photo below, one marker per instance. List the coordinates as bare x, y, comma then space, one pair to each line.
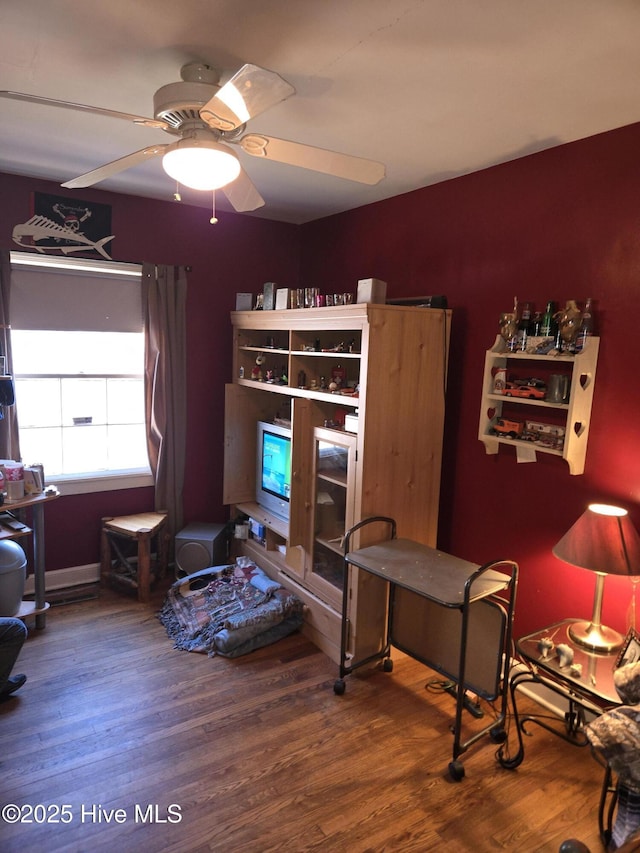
208, 119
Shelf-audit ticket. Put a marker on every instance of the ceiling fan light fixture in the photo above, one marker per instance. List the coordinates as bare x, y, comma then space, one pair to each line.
202, 164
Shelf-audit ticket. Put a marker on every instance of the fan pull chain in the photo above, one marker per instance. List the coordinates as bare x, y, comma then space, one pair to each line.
176, 195
214, 218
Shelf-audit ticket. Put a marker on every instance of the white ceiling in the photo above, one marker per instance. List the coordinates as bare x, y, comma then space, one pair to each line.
432, 88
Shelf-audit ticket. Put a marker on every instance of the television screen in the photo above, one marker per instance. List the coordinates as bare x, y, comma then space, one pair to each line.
276, 464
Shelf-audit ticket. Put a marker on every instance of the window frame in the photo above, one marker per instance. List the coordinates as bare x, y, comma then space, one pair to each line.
89, 481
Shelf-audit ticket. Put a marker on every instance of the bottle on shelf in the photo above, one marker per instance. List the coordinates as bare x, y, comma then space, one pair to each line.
525, 326
548, 325
587, 326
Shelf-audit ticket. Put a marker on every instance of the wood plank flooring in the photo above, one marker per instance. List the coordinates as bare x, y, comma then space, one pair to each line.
258, 754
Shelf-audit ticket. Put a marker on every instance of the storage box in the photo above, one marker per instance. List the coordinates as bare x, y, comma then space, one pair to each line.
244, 301
372, 290
351, 423
13, 564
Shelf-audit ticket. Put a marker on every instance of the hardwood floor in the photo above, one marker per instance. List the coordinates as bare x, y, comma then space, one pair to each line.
258, 754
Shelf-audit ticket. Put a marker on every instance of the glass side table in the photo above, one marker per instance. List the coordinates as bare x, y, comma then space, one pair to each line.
586, 685
587, 688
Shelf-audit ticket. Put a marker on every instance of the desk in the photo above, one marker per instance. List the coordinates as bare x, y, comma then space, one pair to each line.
452, 615
34, 503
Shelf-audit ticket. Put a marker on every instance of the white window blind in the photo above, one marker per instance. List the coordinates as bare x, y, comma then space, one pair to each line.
72, 296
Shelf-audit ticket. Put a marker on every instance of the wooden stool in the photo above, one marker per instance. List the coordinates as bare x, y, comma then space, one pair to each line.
141, 529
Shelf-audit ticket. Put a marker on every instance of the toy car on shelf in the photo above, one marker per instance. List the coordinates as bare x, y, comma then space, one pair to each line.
508, 429
543, 434
522, 388
547, 435
533, 381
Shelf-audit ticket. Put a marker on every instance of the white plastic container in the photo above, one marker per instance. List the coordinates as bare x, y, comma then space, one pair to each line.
13, 563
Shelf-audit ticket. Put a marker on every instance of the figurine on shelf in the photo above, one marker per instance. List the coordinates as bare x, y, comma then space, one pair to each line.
256, 370
568, 322
509, 325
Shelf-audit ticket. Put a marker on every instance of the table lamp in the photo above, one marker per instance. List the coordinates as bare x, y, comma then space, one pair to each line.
605, 541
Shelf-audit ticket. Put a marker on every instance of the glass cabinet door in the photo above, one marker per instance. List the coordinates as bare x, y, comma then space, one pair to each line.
334, 474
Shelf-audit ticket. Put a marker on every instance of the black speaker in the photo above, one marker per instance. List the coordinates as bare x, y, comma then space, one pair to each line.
199, 546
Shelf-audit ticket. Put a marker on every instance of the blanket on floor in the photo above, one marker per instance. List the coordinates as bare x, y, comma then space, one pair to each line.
229, 610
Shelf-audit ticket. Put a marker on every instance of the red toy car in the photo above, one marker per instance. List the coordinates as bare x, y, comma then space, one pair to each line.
532, 392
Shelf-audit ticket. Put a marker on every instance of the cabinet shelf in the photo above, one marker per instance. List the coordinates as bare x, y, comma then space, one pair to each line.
335, 356
335, 479
351, 400
524, 401
333, 544
500, 348
270, 521
8, 533
514, 442
279, 350
563, 427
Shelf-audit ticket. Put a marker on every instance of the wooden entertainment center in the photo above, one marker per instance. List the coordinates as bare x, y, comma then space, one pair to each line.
387, 366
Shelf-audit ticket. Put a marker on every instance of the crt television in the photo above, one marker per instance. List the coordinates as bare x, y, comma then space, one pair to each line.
273, 468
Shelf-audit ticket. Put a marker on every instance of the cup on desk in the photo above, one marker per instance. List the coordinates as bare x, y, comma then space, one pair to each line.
13, 474
15, 490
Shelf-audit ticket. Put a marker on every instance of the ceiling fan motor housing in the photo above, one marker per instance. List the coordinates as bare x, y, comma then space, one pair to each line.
178, 104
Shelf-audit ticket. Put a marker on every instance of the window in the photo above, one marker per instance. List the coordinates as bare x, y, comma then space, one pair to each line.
78, 361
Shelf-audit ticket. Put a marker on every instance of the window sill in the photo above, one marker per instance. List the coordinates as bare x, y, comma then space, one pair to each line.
89, 483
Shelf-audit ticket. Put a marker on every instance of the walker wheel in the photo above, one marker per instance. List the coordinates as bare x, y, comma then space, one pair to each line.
339, 686
387, 665
456, 770
498, 734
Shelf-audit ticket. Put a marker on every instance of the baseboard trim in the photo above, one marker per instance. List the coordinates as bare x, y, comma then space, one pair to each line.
66, 578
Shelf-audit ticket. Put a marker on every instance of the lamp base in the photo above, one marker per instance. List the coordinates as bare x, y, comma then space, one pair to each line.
597, 638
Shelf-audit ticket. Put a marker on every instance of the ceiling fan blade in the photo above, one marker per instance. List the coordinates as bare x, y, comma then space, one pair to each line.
251, 91
69, 105
110, 169
316, 159
242, 193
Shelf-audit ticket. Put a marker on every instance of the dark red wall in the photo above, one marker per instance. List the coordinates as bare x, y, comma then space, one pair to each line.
556, 225
238, 254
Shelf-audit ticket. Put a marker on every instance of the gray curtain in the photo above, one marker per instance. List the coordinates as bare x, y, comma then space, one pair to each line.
9, 437
164, 297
